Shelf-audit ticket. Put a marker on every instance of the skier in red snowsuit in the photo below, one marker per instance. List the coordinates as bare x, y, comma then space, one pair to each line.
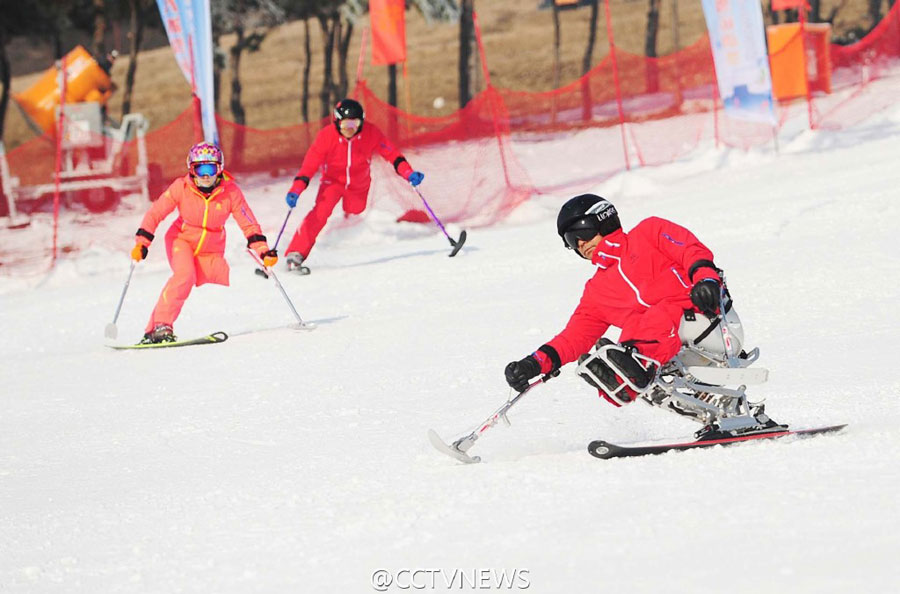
195, 243
344, 153
645, 281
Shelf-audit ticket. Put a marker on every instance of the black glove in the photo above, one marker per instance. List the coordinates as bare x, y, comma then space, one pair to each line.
519, 372
705, 295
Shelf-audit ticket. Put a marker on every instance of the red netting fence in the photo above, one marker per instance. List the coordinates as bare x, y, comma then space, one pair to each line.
642, 111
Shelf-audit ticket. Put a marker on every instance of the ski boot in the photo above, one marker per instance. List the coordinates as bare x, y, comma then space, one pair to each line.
160, 333
295, 263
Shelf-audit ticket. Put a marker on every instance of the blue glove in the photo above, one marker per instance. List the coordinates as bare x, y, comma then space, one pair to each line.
415, 178
291, 199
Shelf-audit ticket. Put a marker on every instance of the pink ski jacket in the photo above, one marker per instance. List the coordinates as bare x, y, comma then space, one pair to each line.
201, 218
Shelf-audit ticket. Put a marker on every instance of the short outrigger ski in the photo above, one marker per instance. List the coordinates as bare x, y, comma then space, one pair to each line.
213, 338
606, 450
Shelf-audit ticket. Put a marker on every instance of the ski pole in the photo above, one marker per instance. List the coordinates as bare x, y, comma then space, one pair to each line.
111, 330
456, 243
463, 444
261, 271
283, 225
271, 273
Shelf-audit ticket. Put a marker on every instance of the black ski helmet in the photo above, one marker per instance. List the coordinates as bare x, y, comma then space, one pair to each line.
587, 212
348, 109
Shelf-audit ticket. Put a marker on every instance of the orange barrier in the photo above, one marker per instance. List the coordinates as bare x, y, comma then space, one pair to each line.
799, 60
85, 81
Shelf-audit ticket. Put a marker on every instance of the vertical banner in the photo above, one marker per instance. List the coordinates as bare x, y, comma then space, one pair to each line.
738, 40
387, 20
189, 28
203, 68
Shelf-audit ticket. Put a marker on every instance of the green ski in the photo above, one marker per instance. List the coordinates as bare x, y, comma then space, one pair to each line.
208, 339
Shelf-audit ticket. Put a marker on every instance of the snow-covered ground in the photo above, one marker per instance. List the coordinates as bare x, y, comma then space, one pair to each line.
288, 461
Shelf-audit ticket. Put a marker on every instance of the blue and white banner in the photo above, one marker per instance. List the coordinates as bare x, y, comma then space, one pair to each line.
738, 39
189, 27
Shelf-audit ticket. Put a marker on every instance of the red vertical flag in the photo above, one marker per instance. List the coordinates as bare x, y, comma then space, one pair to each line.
788, 4
388, 31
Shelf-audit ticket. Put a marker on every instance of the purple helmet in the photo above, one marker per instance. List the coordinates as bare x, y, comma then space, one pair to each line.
205, 152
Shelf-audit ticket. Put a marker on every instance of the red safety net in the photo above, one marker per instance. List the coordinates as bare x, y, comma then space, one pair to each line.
641, 111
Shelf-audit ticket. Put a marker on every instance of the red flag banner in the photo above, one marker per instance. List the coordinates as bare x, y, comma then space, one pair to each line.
789, 4
388, 24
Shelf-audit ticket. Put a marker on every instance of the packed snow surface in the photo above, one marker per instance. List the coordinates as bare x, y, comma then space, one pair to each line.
291, 461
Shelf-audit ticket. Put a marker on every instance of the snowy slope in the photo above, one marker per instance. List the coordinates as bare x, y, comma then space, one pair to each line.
286, 461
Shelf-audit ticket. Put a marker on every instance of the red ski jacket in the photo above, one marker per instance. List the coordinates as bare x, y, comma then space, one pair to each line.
642, 286
347, 162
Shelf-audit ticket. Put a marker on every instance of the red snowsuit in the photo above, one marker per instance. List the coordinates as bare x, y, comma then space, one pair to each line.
642, 286
195, 243
345, 167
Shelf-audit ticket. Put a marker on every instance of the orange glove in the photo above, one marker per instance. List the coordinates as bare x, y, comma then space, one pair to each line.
270, 258
138, 252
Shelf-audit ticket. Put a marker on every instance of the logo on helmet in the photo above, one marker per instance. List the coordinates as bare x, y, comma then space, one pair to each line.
602, 209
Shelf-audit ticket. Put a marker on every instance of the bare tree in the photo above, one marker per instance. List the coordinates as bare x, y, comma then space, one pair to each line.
5, 78
467, 52
307, 49
874, 7
98, 44
137, 14
586, 62
650, 39
25, 17
557, 37
250, 21
328, 92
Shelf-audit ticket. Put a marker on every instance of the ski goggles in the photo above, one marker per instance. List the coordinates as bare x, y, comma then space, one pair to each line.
205, 169
350, 123
581, 230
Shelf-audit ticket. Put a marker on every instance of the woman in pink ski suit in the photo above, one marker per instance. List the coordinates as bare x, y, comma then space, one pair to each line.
195, 243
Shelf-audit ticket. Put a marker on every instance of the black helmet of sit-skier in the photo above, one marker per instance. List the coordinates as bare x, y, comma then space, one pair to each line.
584, 217
348, 109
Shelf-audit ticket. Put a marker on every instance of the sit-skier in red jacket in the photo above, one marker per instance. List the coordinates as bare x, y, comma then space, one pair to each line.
645, 281
344, 153
195, 243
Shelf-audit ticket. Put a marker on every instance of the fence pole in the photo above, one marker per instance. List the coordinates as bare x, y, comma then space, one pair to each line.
615, 65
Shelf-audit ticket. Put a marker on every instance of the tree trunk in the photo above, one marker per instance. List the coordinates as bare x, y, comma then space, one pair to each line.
676, 37
874, 12
392, 85
587, 101
4, 80
326, 93
652, 29
218, 66
650, 45
237, 109
344, 33
56, 38
98, 44
135, 36
588, 58
466, 52
307, 50
557, 35
815, 11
